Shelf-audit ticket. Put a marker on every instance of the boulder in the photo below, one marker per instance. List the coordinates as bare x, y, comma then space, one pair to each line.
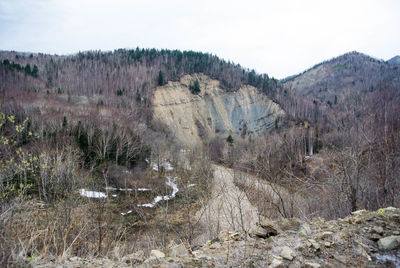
312, 265
377, 229
313, 243
136, 257
390, 209
359, 212
287, 253
258, 231
276, 262
178, 251
270, 227
305, 230
215, 245
292, 224
324, 235
389, 242
235, 236
156, 253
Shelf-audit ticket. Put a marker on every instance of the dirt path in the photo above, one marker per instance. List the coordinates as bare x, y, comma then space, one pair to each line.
227, 209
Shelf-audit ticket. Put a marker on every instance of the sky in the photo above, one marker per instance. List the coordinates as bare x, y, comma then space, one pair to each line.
280, 38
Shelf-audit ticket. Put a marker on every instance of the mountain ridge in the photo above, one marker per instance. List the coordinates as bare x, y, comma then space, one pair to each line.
334, 79
395, 59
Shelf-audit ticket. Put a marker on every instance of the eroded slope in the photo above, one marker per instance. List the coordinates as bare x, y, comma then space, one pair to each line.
193, 118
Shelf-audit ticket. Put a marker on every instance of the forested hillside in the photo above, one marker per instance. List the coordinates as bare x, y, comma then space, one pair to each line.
125, 72
333, 80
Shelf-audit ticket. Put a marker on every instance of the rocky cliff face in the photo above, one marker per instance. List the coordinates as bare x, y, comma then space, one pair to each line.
196, 117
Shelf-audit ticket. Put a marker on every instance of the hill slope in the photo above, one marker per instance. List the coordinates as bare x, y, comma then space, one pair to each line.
335, 78
395, 59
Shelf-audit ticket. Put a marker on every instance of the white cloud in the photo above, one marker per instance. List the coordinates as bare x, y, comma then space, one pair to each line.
277, 37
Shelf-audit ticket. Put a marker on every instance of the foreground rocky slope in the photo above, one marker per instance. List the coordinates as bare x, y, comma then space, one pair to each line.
363, 239
193, 117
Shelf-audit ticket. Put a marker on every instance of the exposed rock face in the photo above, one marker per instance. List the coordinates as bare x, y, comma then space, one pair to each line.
195, 117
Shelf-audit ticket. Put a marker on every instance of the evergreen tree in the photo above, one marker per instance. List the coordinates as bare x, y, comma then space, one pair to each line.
35, 71
230, 139
160, 78
28, 69
64, 123
195, 87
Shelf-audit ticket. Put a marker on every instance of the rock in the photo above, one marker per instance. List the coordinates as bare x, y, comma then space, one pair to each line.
389, 242
276, 262
178, 251
396, 233
156, 253
258, 231
313, 243
305, 229
312, 265
363, 253
341, 259
215, 245
375, 237
324, 235
327, 244
235, 236
201, 255
270, 227
287, 253
270, 240
152, 260
359, 212
226, 235
136, 257
377, 229
292, 224
390, 209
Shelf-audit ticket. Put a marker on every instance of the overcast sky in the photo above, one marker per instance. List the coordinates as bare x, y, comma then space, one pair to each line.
281, 37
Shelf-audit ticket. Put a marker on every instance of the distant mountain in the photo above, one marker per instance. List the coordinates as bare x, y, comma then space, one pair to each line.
334, 79
395, 59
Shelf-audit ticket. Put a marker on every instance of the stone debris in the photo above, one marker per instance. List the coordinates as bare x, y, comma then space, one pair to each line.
348, 242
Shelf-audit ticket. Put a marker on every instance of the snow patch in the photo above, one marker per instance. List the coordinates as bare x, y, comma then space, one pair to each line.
119, 189
92, 194
126, 213
143, 189
171, 183
165, 164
